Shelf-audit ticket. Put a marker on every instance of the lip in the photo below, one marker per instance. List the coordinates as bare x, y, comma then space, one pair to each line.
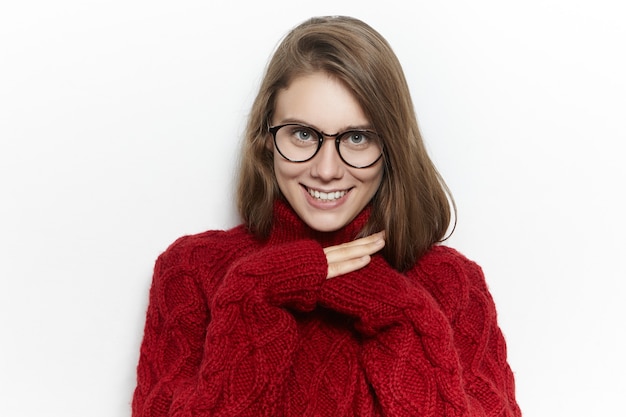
325, 204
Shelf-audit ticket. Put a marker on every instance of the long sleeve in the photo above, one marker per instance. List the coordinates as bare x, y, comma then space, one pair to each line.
174, 334
488, 379
237, 326
218, 332
252, 335
416, 351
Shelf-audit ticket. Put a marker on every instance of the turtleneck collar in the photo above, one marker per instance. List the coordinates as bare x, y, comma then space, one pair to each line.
287, 226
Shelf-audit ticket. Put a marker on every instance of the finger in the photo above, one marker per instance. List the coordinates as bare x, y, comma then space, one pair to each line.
358, 242
341, 268
344, 253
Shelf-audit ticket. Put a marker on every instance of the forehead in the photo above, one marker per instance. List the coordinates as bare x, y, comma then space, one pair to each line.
321, 101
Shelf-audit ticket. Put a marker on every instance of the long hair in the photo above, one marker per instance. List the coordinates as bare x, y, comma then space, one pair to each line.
413, 204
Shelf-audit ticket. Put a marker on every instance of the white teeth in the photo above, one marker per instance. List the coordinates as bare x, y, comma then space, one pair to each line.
320, 195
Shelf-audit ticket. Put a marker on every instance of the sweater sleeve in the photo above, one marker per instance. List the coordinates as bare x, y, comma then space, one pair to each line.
231, 355
174, 334
420, 355
252, 335
488, 379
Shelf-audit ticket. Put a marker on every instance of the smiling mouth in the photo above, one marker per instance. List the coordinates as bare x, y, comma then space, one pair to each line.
323, 196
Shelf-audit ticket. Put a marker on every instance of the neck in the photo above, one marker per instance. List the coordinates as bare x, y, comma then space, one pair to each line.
287, 226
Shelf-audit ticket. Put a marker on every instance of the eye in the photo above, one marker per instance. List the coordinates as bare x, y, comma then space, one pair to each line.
304, 134
356, 138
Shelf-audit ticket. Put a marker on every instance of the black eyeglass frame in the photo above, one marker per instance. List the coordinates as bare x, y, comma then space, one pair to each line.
320, 141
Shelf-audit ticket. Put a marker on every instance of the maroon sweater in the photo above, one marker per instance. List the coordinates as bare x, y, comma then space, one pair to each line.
242, 327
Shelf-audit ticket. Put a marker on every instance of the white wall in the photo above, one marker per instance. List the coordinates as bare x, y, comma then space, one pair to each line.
119, 129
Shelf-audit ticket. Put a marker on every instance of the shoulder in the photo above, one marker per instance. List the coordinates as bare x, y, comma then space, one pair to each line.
206, 253
450, 277
448, 261
193, 248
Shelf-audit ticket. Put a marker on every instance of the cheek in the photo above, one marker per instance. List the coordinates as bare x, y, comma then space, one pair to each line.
371, 178
286, 171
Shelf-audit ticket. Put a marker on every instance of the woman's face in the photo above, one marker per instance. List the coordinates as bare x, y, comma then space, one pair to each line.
325, 104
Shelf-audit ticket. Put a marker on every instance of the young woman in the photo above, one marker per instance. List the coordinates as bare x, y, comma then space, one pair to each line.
333, 298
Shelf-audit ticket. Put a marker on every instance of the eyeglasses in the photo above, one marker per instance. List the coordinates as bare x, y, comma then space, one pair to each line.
358, 148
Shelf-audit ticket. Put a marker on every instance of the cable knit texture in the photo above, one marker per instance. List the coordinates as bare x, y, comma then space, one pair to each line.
242, 327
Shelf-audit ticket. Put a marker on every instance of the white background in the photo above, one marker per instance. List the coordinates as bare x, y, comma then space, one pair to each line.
120, 123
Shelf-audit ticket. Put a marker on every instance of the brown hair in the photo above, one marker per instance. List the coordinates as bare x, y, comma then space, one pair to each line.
413, 204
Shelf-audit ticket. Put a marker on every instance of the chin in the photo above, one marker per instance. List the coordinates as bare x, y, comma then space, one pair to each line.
325, 229
327, 225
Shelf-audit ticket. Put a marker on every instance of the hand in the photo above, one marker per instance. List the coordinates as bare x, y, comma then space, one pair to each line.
354, 255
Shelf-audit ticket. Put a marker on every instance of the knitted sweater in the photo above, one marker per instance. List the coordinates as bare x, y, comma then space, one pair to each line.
241, 327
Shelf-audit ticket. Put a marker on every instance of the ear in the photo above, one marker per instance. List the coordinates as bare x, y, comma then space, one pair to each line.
269, 142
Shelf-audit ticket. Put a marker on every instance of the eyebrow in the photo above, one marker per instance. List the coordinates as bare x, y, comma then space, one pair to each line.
346, 128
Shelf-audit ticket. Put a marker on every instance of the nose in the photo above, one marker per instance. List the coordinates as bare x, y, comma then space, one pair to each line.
327, 164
